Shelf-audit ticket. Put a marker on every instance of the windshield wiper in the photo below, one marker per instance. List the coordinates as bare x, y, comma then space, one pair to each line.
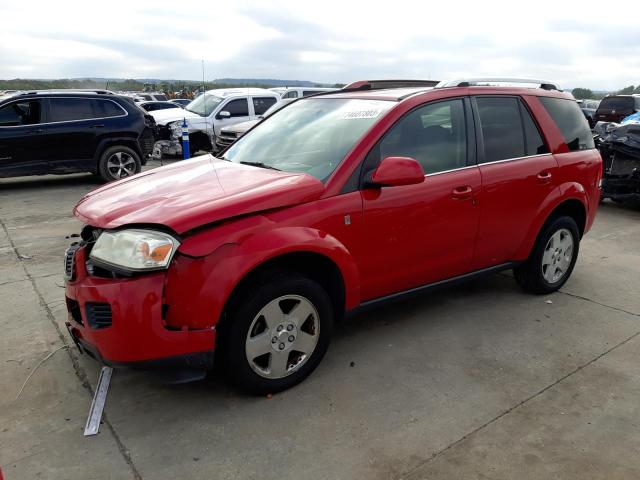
261, 165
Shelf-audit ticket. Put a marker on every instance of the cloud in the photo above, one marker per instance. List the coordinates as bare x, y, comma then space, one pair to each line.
332, 42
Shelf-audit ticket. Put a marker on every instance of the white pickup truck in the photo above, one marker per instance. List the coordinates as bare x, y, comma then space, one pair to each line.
206, 115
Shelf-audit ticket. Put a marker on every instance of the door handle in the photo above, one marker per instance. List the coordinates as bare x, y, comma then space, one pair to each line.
97, 126
37, 130
544, 177
462, 193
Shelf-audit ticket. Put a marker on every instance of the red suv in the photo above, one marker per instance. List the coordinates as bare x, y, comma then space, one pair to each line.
335, 202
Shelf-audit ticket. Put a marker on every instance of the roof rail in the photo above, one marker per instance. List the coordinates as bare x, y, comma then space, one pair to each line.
381, 84
469, 82
69, 90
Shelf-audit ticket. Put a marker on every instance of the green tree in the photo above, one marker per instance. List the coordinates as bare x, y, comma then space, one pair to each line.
627, 90
581, 93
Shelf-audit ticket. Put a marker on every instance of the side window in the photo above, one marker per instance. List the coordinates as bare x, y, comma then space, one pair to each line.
501, 127
434, 134
106, 109
534, 145
262, 104
571, 122
67, 109
306, 93
237, 108
290, 94
20, 113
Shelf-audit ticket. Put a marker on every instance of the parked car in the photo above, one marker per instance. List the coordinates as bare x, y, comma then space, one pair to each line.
149, 97
299, 92
589, 108
64, 131
182, 102
230, 134
613, 108
206, 115
155, 105
619, 144
334, 203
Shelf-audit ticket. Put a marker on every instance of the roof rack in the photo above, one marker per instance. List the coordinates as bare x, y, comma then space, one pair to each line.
469, 82
381, 84
69, 90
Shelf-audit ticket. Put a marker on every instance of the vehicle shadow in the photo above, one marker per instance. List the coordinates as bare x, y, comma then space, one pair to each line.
403, 315
48, 181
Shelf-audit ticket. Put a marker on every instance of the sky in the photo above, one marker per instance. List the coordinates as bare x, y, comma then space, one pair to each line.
574, 43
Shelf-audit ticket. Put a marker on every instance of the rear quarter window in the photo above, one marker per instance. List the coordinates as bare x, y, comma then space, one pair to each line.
570, 121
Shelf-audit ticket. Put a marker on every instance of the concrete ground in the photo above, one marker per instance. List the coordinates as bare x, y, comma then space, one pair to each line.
477, 381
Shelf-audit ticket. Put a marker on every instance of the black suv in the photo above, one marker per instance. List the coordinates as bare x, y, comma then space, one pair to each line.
59, 132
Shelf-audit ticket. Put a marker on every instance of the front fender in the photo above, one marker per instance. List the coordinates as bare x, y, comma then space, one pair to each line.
562, 193
197, 289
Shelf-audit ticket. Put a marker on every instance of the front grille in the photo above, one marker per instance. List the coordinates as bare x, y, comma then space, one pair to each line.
228, 134
98, 315
164, 132
73, 307
70, 262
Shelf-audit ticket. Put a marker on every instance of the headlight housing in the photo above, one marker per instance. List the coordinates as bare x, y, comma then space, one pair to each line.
135, 250
176, 130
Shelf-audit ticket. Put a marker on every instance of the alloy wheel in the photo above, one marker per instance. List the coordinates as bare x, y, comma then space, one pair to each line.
282, 336
557, 256
121, 165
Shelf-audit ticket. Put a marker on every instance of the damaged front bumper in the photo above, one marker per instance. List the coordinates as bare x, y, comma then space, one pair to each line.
164, 148
120, 322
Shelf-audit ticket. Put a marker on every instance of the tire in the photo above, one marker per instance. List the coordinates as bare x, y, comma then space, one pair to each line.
549, 266
118, 162
260, 344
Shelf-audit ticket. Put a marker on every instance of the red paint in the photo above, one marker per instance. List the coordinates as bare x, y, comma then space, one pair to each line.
234, 218
397, 172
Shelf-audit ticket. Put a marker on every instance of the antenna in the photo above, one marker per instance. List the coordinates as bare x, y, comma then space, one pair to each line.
204, 103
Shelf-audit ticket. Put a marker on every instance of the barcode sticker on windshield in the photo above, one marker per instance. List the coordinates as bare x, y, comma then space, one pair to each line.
361, 114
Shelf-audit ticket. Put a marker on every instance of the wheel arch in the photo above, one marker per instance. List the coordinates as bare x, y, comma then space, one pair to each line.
313, 265
105, 143
573, 206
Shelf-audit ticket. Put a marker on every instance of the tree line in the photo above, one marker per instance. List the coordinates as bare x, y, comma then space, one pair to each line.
185, 88
586, 93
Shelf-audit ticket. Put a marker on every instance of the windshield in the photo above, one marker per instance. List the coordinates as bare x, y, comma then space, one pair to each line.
311, 136
204, 105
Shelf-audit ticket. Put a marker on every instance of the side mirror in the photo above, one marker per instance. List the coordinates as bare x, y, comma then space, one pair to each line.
224, 114
398, 171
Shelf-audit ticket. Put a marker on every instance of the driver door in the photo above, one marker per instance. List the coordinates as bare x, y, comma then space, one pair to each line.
419, 234
23, 143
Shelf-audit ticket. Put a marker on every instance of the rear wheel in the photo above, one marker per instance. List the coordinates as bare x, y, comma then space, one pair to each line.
552, 259
278, 333
118, 162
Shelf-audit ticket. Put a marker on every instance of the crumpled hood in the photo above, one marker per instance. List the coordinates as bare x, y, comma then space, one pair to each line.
168, 115
191, 193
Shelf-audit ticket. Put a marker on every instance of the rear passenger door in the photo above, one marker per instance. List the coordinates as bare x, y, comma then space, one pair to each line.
518, 173
73, 130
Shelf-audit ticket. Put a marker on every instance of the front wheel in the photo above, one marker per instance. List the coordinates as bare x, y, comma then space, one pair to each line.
552, 259
118, 162
278, 333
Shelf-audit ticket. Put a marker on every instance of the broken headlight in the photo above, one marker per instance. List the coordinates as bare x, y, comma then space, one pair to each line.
135, 250
176, 130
